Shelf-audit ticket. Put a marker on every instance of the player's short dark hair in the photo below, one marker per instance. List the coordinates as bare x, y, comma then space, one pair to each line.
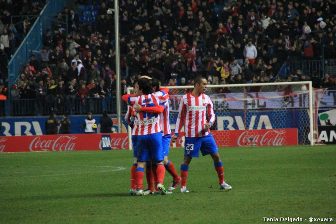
156, 85
198, 79
145, 85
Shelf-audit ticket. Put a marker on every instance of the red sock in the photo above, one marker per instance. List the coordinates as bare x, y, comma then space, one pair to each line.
160, 173
184, 174
220, 174
139, 173
150, 177
184, 177
133, 182
171, 169
155, 176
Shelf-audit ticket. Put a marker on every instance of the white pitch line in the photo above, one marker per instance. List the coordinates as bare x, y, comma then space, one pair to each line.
116, 169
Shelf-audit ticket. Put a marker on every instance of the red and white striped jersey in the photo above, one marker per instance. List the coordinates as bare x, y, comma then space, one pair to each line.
164, 116
146, 123
194, 113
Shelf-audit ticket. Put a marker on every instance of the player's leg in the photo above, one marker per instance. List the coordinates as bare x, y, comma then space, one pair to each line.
142, 156
134, 166
191, 149
220, 172
150, 176
169, 165
209, 146
133, 186
184, 173
154, 166
157, 156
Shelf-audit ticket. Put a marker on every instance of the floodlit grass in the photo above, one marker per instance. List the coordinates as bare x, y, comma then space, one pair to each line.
92, 187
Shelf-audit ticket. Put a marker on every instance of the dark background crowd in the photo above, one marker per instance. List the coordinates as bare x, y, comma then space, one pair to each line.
16, 19
228, 41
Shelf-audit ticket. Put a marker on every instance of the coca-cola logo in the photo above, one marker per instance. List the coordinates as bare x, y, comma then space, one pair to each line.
61, 143
2, 144
119, 142
268, 138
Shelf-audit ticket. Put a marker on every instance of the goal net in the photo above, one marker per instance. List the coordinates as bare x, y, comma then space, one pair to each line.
258, 114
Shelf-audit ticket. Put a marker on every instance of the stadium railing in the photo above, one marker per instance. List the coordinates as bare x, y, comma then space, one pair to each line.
314, 68
32, 107
32, 42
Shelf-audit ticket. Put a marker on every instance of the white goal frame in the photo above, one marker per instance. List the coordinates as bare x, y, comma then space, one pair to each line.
310, 112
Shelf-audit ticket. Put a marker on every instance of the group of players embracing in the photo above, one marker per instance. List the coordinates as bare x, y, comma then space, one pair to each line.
148, 117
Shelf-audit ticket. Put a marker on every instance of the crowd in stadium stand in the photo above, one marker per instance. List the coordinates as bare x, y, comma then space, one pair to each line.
16, 18
242, 41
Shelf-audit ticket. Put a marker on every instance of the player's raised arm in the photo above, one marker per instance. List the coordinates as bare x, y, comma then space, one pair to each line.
154, 108
165, 90
130, 98
125, 97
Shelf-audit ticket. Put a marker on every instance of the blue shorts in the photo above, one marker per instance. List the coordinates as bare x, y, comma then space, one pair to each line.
206, 144
166, 144
149, 147
134, 145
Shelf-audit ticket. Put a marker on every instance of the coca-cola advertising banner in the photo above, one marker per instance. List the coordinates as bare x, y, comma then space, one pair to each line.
76, 142
18, 126
68, 142
263, 137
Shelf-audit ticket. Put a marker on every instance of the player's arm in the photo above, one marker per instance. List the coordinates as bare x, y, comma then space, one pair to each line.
210, 115
127, 97
180, 119
165, 90
155, 109
162, 95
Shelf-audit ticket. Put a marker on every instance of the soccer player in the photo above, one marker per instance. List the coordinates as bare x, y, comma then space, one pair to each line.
166, 131
129, 118
196, 114
149, 138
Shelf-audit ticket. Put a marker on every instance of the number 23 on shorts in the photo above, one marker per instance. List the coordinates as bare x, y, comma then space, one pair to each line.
189, 147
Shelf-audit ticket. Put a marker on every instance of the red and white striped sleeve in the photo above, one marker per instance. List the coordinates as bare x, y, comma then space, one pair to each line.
181, 116
210, 112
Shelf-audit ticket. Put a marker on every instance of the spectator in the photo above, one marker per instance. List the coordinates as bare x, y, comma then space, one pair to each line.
90, 125
3, 98
4, 40
250, 52
329, 81
235, 69
51, 125
40, 93
106, 123
65, 125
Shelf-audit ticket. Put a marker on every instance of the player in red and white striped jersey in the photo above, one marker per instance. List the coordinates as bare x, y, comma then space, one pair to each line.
146, 123
129, 118
196, 115
148, 131
162, 93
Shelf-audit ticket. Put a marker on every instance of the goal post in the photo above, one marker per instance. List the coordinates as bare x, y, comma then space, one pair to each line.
257, 114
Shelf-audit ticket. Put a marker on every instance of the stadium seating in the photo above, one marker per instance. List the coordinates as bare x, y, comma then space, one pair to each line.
174, 40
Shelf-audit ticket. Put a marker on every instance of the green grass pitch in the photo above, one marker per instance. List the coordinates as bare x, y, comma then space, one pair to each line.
92, 187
